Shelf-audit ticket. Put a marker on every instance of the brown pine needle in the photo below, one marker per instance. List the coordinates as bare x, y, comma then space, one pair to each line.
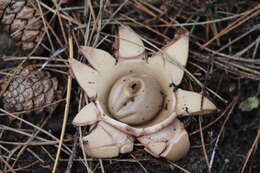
233, 25
66, 112
254, 145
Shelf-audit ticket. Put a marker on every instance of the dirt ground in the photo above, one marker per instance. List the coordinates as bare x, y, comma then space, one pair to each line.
224, 56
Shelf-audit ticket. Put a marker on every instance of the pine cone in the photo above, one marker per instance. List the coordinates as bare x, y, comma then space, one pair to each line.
22, 21
31, 89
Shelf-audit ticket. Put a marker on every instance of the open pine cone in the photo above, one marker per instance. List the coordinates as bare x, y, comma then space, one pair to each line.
22, 21
31, 90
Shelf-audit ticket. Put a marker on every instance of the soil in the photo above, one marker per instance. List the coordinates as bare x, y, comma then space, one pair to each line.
228, 139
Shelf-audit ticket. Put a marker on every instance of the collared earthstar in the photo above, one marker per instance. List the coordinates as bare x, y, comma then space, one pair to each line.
133, 96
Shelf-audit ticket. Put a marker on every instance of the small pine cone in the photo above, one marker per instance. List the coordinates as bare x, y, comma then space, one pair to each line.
30, 90
22, 21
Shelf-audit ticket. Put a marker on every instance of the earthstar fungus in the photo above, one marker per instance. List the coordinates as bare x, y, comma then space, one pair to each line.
133, 97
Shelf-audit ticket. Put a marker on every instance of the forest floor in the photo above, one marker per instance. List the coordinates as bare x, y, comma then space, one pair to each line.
224, 57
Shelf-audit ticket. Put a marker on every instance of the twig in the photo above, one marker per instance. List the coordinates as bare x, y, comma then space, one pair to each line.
233, 25
70, 162
66, 111
251, 150
83, 152
234, 103
36, 127
179, 167
213, 122
139, 163
200, 118
7, 164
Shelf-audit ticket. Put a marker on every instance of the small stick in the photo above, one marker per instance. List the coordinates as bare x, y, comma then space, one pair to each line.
66, 112
233, 25
72, 156
234, 103
7, 164
254, 145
